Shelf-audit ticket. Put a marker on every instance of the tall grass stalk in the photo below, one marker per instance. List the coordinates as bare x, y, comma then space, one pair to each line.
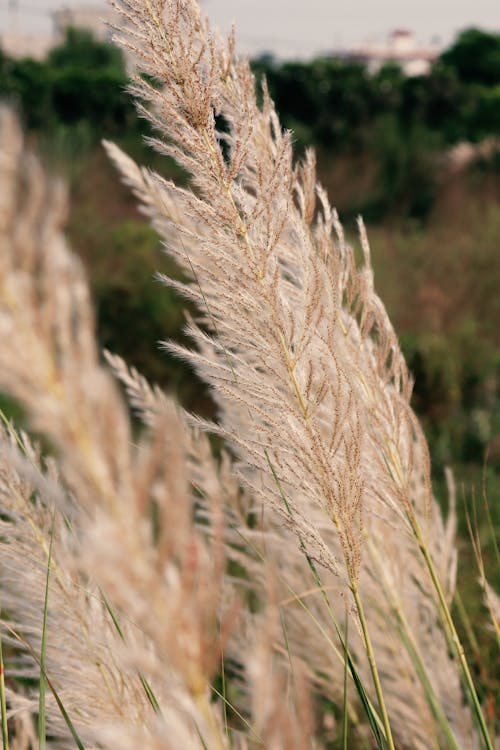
373, 667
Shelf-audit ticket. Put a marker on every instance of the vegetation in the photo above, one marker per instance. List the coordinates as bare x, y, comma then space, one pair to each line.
339, 105
300, 590
386, 151
82, 80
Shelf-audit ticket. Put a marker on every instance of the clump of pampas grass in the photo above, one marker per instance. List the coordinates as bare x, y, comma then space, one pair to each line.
167, 599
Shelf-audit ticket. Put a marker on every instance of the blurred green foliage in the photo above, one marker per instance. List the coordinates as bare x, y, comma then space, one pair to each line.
135, 312
338, 104
402, 123
82, 80
475, 57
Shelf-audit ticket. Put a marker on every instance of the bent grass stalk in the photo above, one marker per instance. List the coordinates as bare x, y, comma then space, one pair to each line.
241, 232
353, 584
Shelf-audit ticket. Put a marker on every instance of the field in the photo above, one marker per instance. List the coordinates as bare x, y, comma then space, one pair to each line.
262, 532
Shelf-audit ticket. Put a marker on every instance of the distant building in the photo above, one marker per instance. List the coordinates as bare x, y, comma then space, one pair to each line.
17, 45
90, 18
401, 48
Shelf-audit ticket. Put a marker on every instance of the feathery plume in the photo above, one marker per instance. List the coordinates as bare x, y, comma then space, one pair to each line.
312, 388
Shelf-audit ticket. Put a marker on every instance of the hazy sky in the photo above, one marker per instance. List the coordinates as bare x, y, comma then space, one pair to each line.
303, 27
315, 25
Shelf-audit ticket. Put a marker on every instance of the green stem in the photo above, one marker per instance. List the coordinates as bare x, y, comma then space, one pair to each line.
345, 720
5, 729
373, 668
448, 621
464, 617
436, 708
43, 649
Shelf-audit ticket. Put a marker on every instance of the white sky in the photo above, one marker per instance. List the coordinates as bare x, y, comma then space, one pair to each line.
304, 27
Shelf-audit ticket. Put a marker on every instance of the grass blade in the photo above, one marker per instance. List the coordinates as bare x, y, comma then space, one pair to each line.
373, 718
223, 685
345, 718
43, 649
3, 702
64, 714
51, 686
239, 715
371, 712
144, 682
112, 614
150, 694
449, 624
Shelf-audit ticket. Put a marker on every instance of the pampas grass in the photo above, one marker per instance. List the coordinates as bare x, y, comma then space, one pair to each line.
195, 602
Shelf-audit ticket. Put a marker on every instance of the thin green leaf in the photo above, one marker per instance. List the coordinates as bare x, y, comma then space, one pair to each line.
3, 702
491, 526
373, 718
144, 682
65, 715
51, 686
237, 713
150, 694
204, 744
43, 649
372, 715
345, 718
112, 614
223, 681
